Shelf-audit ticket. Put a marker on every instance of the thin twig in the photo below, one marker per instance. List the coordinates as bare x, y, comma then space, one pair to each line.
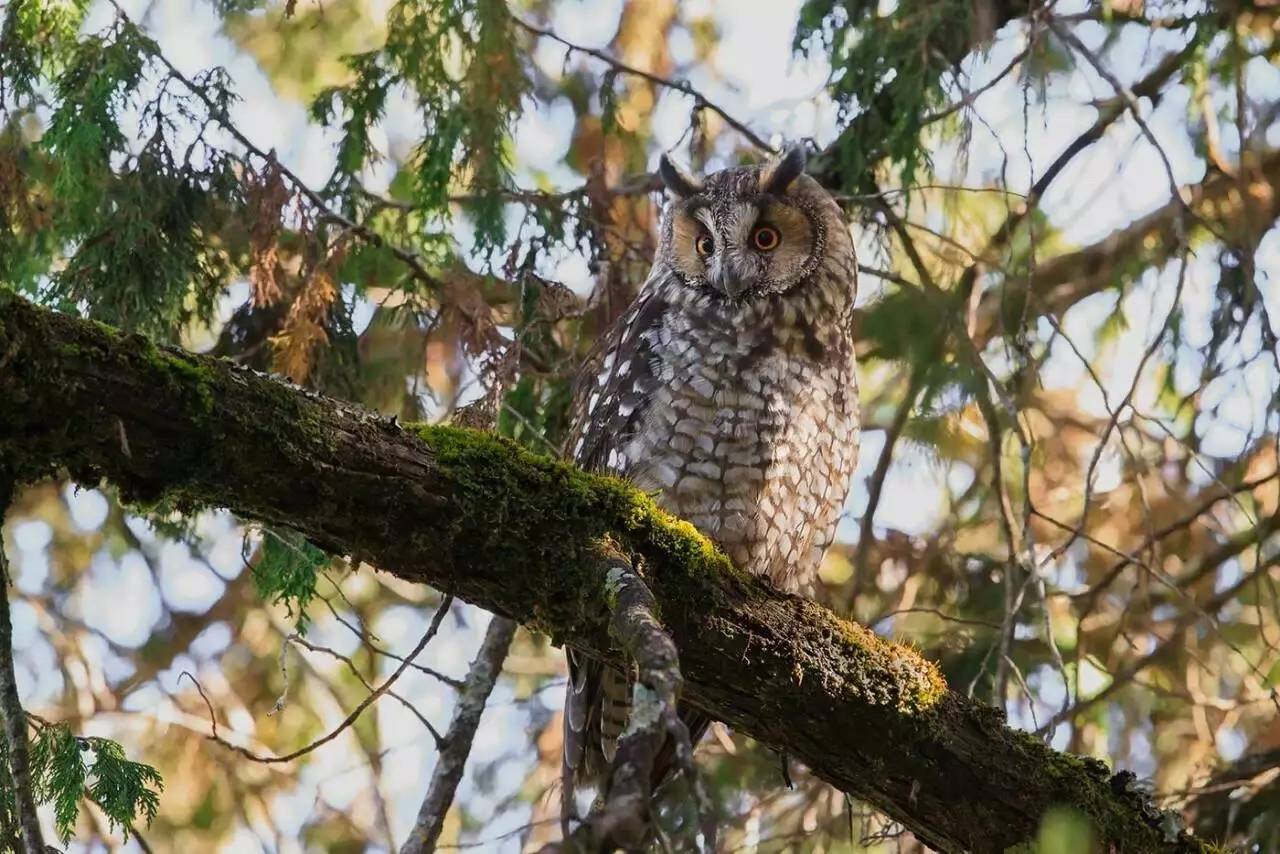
971, 97
369, 641
937, 612
875, 485
1125, 675
683, 86
355, 671
348, 721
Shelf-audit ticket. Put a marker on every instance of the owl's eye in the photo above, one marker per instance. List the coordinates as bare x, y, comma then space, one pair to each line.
766, 238
704, 245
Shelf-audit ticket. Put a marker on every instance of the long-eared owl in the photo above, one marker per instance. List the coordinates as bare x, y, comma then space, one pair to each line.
727, 390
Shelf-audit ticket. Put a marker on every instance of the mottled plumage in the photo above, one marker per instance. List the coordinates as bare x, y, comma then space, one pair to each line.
728, 390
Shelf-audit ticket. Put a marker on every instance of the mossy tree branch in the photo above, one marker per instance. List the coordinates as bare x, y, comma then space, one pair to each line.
512, 532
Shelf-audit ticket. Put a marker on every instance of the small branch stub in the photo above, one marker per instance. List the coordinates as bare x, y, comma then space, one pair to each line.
622, 816
18, 775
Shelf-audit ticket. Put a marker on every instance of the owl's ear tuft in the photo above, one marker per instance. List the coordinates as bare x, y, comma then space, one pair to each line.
779, 173
678, 181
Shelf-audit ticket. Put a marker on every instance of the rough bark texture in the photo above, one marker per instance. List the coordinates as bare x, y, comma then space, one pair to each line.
509, 531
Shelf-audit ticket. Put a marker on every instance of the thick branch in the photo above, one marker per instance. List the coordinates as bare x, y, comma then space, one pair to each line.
452, 761
512, 532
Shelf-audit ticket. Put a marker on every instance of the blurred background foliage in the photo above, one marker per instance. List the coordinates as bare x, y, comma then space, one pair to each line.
1068, 494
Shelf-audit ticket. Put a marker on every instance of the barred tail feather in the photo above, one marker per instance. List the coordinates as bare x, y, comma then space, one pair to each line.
596, 712
615, 709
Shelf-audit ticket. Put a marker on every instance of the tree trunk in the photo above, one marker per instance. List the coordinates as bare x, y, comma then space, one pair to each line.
509, 531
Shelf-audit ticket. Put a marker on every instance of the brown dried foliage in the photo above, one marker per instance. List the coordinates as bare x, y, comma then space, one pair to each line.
305, 328
268, 195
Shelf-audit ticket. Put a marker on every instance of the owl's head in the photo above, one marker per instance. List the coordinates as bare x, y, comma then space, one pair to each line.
748, 232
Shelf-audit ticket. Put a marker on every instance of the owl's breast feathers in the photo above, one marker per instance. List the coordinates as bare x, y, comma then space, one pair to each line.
740, 417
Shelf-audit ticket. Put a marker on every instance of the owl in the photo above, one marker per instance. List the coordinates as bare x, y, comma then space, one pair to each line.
728, 391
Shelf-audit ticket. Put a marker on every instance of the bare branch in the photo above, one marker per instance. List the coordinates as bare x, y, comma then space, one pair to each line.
683, 86
15, 719
298, 640
1060, 282
875, 484
485, 670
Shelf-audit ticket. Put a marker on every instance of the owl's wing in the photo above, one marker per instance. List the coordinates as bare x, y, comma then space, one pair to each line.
614, 387
611, 397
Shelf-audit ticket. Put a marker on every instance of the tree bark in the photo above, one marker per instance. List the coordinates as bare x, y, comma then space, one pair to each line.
489, 522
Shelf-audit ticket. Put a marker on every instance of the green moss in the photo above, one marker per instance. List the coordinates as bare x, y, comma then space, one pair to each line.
191, 374
1123, 815
479, 461
508, 485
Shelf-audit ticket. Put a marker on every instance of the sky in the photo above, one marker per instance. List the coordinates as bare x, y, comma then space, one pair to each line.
755, 77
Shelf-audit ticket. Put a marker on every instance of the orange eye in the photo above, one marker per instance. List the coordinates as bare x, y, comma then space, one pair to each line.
766, 238
704, 245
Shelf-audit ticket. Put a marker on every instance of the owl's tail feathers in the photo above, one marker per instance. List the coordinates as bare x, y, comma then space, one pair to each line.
579, 704
615, 710
596, 712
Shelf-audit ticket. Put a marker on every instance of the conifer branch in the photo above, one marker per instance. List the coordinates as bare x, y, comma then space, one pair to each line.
219, 114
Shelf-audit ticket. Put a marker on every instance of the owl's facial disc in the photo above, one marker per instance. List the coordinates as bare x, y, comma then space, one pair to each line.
748, 232
742, 246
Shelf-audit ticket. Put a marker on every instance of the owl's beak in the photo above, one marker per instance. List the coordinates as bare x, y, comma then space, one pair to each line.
734, 288
730, 280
